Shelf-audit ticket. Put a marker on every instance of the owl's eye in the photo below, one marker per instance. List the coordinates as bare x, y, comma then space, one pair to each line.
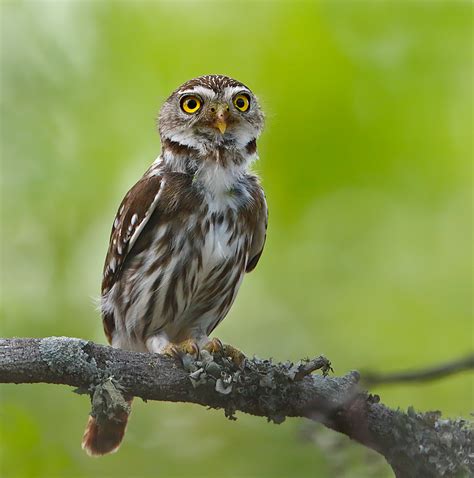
190, 104
242, 102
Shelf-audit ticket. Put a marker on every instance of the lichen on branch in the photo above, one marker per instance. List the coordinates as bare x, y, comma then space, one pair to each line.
414, 444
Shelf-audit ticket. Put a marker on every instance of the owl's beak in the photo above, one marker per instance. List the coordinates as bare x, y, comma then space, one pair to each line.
221, 118
221, 125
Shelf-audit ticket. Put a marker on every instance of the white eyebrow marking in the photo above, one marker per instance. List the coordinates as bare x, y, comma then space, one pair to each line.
230, 91
200, 90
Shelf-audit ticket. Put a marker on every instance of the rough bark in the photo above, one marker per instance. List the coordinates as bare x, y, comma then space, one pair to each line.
414, 444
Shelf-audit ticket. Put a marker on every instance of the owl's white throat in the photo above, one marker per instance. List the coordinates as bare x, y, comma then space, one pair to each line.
218, 173
219, 181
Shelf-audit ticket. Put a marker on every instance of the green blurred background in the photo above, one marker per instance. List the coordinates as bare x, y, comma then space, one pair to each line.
366, 163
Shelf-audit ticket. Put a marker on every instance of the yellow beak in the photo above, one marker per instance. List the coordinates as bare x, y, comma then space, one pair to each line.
222, 112
221, 125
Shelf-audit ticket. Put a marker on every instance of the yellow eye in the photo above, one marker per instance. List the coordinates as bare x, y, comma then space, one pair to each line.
190, 104
242, 102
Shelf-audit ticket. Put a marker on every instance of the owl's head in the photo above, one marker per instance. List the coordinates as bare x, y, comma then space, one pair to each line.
211, 111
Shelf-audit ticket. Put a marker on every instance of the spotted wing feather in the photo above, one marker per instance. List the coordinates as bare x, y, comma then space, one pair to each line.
134, 212
260, 234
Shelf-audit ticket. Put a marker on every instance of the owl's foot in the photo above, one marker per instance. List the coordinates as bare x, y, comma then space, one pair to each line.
215, 346
234, 354
186, 347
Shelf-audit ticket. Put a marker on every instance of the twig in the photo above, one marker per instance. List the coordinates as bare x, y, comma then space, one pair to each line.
310, 366
422, 375
414, 444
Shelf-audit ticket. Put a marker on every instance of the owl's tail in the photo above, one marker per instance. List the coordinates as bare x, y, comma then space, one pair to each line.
104, 437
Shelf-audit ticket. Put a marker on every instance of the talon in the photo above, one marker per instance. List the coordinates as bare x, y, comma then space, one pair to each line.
237, 357
172, 351
214, 346
189, 347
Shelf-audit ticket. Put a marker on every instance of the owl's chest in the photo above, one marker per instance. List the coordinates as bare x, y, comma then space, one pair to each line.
225, 234
223, 241
207, 224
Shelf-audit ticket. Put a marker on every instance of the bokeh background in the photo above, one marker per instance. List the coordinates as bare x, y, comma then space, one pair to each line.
366, 163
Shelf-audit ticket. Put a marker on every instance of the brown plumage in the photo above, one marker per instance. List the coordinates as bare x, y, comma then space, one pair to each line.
188, 230
101, 438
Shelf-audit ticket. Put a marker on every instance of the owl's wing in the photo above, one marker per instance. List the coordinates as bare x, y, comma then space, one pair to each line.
133, 214
260, 233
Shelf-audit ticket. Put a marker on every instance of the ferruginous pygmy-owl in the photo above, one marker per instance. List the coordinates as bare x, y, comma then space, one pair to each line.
186, 233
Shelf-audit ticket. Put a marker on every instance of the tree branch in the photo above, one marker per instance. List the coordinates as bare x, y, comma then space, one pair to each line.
423, 375
414, 444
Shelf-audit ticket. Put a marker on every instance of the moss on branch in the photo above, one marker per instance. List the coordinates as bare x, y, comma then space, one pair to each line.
414, 444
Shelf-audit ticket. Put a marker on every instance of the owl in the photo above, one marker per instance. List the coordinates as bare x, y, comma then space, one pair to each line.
186, 233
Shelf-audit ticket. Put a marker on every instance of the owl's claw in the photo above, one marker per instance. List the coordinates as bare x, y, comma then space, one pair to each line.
237, 357
178, 350
215, 346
